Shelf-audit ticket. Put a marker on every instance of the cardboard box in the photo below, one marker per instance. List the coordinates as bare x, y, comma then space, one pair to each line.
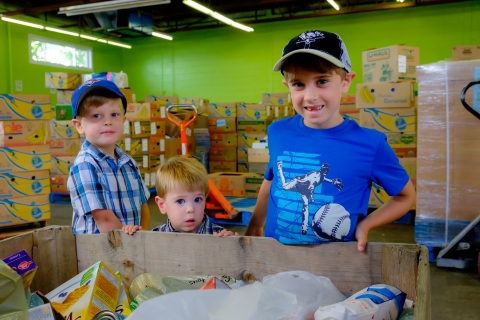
223, 140
23, 210
222, 125
201, 122
402, 139
378, 197
348, 99
64, 97
257, 167
15, 159
63, 129
222, 153
222, 166
222, 110
42, 312
127, 92
173, 147
251, 112
138, 111
143, 162
465, 53
242, 154
100, 289
242, 166
252, 126
253, 181
354, 116
24, 133
390, 64
24, 266
62, 80
161, 100
157, 112
63, 113
24, 183
156, 145
280, 98
405, 152
138, 129
247, 139
278, 111
61, 164
172, 130
65, 147
229, 183
136, 146
410, 165
390, 120
59, 183
25, 107
157, 128
258, 155
199, 103
155, 161
381, 95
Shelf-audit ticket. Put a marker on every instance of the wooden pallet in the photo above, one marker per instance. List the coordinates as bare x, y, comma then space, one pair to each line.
11, 231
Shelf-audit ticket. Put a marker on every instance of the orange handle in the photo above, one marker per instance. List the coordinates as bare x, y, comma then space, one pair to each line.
183, 124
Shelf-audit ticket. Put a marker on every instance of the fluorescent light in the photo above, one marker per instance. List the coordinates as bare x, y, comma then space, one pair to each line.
118, 44
161, 35
218, 16
108, 5
334, 4
62, 31
28, 24
88, 37
102, 41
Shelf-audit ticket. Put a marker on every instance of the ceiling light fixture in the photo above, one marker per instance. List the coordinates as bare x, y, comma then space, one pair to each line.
88, 37
108, 6
217, 15
161, 35
118, 44
28, 24
102, 40
62, 31
334, 4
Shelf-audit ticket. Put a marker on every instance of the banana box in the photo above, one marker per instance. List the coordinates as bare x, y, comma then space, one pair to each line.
138, 111
25, 107
405, 152
378, 197
63, 129
64, 97
389, 120
279, 111
242, 154
229, 183
390, 64
247, 139
410, 165
174, 147
251, 112
350, 114
222, 166
222, 125
146, 177
172, 130
402, 139
61, 165
223, 140
199, 103
91, 291
142, 162
24, 210
242, 166
24, 133
347, 99
63, 113
221, 153
258, 155
62, 80
246, 126
383, 95
136, 146
127, 92
253, 181
28, 158
137, 129
157, 128
155, 161
59, 183
24, 183
161, 100
222, 110
157, 112
156, 145
65, 147
276, 98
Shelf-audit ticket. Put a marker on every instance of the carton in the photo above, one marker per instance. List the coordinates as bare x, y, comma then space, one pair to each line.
222, 166
65, 147
252, 126
222, 125
138, 129
157, 128
222, 153
136, 146
173, 147
155, 161
156, 145
24, 133
405, 152
24, 183
229, 183
63, 113
257, 167
378, 197
242, 166
199, 103
127, 92
276, 98
246, 139
402, 139
222, 110
61, 164
96, 289
63, 129
348, 99
466, 52
59, 183
258, 155
251, 112
23, 210
25, 107
390, 119
161, 100
390, 64
62, 80
172, 130
157, 112
142, 162
223, 140
201, 122
242, 154
64, 97
43, 312
15, 159
23, 264
385, 95
138, 111
410, 165
275, 112
253, 181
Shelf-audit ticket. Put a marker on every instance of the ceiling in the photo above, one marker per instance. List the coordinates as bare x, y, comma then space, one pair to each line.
176, 16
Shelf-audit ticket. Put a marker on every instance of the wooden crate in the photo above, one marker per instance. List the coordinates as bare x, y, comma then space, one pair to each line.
60, 255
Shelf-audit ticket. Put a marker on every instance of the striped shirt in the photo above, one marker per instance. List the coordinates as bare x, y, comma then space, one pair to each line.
97, 182
207, 227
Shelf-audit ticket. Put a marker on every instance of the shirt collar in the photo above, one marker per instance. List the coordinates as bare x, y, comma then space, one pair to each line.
99, 154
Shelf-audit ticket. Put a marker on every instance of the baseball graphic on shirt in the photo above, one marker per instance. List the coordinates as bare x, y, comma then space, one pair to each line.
331, 221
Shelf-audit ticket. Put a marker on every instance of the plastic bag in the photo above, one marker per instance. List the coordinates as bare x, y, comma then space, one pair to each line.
311, 291
13, 302
252, 302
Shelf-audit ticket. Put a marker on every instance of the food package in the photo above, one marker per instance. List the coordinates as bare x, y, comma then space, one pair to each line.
123, 304
214, 283
119, 78
13, 304
91, 291
24, 266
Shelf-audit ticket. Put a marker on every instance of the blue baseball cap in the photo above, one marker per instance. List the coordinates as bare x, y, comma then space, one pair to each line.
92, 85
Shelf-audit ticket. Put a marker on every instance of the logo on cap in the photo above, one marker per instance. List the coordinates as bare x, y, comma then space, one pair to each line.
309, 37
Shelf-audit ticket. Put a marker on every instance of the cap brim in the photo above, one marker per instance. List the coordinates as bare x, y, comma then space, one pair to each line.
326, 56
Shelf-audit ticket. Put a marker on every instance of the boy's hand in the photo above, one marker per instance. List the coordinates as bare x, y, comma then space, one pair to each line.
225, 233
361, 233
131, 229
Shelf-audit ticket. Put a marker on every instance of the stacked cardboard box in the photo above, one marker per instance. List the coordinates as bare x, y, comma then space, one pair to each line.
387, 102
348, 108
237, 184
64, 83
24, 158
222, 128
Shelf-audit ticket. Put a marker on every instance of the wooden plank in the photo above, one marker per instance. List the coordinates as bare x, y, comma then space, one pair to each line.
399, 267
423, 303
55, 254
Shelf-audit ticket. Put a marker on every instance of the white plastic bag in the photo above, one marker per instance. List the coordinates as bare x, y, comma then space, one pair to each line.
311, 291
251, 302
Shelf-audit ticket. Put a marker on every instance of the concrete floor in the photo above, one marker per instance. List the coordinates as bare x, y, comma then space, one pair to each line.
455, 293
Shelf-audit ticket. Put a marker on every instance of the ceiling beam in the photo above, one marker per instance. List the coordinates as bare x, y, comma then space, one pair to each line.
52, 7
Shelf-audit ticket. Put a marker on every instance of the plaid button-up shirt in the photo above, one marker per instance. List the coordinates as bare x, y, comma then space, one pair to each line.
96, 181
207, 227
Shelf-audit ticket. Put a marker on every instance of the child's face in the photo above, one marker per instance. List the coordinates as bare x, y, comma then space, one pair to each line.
316, 96
184, 209
102, 126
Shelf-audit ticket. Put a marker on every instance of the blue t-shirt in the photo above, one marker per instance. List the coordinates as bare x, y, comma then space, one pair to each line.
321, 179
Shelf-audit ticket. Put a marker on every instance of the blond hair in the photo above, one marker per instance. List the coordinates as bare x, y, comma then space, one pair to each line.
97, 99
183, 173
310, 62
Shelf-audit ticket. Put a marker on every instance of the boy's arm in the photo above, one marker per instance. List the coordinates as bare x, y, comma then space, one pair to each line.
106, 220
259, 215
145, 221
396, 207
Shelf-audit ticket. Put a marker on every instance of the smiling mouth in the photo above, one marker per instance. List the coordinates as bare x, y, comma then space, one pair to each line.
315, 108
108, 132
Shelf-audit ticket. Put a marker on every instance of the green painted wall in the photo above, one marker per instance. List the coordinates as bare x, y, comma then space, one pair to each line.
227, 64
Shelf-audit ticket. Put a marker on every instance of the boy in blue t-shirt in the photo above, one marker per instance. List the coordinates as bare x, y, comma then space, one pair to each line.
322, 166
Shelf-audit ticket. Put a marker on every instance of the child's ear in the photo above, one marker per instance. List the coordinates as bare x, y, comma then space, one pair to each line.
161, 204
78, 125
348, 81
285, 82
